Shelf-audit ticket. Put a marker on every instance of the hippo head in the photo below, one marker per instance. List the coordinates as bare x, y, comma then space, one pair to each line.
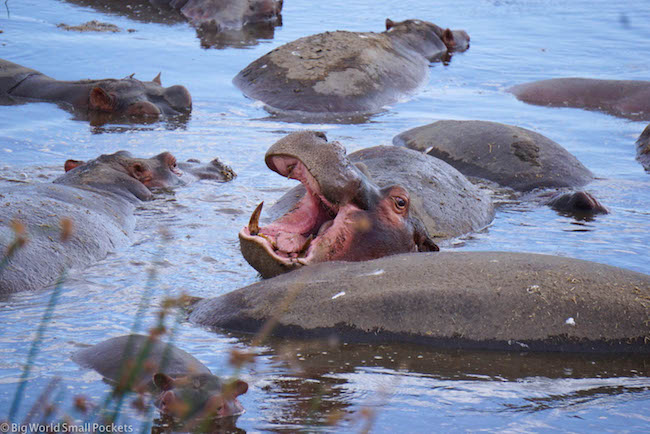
579, 204
198, 396
140, 99
341, 216
425, 37
123, 174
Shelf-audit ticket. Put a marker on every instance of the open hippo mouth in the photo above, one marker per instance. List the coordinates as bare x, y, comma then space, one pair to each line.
314, 230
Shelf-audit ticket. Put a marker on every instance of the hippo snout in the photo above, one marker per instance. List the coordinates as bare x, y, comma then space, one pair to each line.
179, 98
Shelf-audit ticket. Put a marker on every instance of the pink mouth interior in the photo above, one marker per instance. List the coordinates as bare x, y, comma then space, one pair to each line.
313, 215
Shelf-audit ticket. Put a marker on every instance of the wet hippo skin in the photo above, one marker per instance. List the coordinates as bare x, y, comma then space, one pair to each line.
184, 387
98, 197
348, 72
376, 202
488, 300
643, 149
127, 97
623, 98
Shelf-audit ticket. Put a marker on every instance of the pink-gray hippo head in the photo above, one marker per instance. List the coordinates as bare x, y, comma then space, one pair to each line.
124, 174
343, 215
135, 98
427, 38
200, 397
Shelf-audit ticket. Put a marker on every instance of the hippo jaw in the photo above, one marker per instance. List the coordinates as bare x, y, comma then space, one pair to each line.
304, 235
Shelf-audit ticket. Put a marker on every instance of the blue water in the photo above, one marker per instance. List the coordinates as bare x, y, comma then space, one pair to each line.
403, 389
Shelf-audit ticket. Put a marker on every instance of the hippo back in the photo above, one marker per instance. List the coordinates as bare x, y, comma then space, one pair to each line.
11, 75
109, 357
508, 155
441, 197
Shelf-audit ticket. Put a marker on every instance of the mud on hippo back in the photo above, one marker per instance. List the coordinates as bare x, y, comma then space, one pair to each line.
184, 388
377, 202
100, 101
348, 73
98, 197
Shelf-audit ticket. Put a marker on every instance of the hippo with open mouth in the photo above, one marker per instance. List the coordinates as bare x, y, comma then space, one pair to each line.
360, 207
97, 100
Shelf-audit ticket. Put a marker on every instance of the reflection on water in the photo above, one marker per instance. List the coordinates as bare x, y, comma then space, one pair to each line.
302, 386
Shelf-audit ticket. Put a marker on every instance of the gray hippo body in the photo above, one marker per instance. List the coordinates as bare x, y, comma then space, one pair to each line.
643, 149
347, 72
226, 14
376, 202
97, 100
508, 155
179, 380
487, 300
98, 197
623, 98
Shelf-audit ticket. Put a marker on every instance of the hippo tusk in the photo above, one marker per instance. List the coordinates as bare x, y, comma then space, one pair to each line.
253, 224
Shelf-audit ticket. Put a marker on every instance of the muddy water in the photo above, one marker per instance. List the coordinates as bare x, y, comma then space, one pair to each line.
297, 385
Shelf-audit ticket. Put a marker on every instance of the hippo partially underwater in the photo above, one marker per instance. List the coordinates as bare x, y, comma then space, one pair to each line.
98, 197
643, 149
509, 156
97, 100
184, 387
348, 72
623, 98
218, 23
482, 300
375, 202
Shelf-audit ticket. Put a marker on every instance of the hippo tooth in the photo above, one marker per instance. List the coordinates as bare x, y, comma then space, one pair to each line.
253, 224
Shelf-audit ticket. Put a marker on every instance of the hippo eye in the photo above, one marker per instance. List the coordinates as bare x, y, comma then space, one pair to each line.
400, 203
321, 135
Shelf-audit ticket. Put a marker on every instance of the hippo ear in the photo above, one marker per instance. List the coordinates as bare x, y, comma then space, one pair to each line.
139, 171
163, 381
448, 38
101, 100
157, 80
240, 387
72, 164
389, 23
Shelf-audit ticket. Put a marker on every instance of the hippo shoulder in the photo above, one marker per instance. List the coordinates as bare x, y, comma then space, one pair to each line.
12, 74
508, 155
442, 197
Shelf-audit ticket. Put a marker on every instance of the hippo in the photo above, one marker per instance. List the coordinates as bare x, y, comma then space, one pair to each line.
218, 23
184, 387
94, 99
376, 202
348, 72
509, 156
628, 99
643, 149
449, 299
98, 197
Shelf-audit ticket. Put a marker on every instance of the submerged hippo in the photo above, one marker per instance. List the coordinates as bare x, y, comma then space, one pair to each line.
487, 300
377, 202
624, 98
184, 387
218, 23
508, 155
125, 97
98, 196
348, 72
643, 149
